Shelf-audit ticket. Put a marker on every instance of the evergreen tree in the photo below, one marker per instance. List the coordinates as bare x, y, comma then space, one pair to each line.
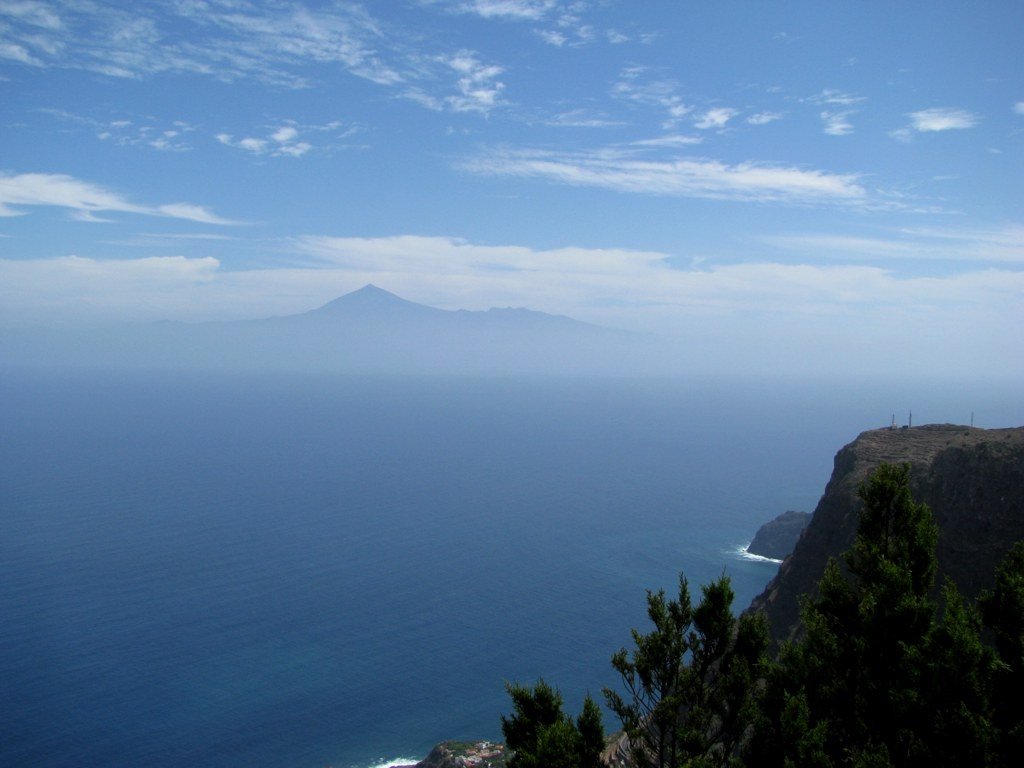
850, 693
652, 679
957, 686
540, 735
590, 726
1003, 612
691, 681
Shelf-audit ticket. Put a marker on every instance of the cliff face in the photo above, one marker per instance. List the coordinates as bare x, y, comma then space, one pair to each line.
973, 480
776, 538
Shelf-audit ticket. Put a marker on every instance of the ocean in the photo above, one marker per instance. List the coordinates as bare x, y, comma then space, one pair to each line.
312, 571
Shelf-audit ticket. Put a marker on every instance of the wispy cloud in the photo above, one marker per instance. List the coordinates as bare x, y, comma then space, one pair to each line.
516, 10
635, 84
837, 123
1005, 244
19, 53
478, 85
715, 118
582, 118
552, 37
134, 131
936, 120
964, 246
673, 140
556, 22
763, 118
942, 119
227, 39
75, 289
1018, 108
837, 97
86, 200
411, 253
683, 177
278, 142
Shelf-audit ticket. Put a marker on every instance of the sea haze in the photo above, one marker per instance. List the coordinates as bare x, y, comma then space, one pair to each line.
228, 570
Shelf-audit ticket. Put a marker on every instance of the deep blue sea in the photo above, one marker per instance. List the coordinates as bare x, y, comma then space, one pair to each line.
338, 571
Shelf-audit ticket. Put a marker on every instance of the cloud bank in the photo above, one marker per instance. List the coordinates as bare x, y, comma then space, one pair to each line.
86, 199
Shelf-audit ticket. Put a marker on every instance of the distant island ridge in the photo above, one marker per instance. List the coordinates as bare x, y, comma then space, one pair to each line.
369, 330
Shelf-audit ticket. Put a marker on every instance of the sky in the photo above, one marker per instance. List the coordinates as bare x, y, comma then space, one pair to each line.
805, 185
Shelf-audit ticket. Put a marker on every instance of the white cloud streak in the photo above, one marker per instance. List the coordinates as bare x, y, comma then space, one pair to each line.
76, 289
683, 177
672, 140
968, 247
942, 119
935, 121
715, 118
763, 118
86, 199
515, 10
837, 123
836, 97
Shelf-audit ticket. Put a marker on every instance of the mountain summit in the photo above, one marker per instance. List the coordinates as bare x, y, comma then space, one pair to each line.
370, 301
369, 330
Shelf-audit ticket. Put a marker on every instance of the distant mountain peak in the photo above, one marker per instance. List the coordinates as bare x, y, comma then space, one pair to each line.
370, 299
371, 290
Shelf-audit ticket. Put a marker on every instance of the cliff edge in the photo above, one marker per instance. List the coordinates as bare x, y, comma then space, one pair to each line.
776, 538
973, 480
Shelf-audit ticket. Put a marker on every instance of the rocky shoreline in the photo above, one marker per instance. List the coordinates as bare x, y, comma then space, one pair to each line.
463, 754
776, 538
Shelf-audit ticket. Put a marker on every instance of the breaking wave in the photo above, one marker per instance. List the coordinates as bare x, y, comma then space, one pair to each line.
740, 552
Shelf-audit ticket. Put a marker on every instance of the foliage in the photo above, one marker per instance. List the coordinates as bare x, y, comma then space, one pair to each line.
1003, 612
691, 680
540, 735
885, 674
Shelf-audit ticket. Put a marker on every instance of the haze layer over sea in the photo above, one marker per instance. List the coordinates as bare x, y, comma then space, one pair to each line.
311, 571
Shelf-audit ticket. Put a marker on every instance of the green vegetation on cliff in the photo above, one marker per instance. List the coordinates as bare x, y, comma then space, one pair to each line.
884, 672
540, 735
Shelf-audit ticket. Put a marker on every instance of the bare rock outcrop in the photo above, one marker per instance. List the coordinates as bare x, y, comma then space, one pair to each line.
973, 480
778, 537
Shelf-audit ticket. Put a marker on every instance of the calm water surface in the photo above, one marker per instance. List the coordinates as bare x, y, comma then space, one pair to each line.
284, 571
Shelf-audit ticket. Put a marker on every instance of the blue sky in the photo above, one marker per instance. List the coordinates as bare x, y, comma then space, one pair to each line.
803, 184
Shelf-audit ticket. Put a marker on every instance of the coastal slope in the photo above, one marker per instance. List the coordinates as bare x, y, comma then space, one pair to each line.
973, 480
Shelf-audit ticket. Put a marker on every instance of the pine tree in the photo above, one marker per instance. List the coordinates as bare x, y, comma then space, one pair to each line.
540, 735
1003, 612
850, 692
691, 681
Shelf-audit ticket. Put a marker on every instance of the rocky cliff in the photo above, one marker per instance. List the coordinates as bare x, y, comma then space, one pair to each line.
460, 754
776, 538
973, 480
